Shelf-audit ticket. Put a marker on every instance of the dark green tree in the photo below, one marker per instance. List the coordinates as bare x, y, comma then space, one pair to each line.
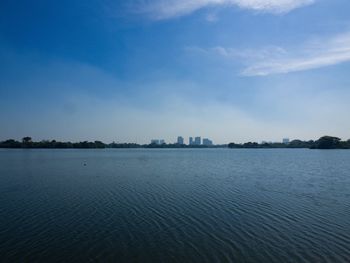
27, 140
328, 142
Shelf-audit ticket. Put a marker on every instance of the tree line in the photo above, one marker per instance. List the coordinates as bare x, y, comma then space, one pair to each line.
28, 143
325, 142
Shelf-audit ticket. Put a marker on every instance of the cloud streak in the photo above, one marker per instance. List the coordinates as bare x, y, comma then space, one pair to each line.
277, 60
166, 9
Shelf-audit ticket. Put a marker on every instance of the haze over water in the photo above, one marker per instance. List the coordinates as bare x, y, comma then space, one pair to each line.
198, 205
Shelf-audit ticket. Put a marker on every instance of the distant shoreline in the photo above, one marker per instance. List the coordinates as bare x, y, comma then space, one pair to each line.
325, 142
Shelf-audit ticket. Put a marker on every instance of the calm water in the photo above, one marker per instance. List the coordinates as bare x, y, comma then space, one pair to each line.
214, 205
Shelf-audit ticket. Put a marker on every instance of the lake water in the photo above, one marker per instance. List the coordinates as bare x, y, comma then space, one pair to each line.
171, 205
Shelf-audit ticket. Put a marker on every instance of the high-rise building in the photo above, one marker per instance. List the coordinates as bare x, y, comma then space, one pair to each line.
180, 140
161, 141
207, 142
155, 141
190, 141
197, 141
285, 140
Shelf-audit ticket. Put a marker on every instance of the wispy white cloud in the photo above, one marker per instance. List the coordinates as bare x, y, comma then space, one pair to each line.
277, 60
211, 17
165, 9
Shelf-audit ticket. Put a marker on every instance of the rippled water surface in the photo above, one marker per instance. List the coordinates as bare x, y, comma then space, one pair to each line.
201, 205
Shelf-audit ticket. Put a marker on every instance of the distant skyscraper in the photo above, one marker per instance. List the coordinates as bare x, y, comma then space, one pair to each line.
190, 141
155, 141
207, 142
285, 140
197, 141
180, 140
161, 142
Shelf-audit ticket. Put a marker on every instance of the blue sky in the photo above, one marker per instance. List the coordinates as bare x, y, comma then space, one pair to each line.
230, 70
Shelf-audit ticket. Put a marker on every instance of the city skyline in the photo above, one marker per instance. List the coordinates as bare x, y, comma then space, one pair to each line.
232, 70
181, 141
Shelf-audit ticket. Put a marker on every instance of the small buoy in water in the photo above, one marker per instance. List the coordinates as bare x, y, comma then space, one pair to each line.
84, 164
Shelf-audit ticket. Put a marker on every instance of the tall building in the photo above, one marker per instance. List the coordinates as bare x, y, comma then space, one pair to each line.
190, 141
207, 142
180, 140
285, 140
161, 142
155, 141
197, 141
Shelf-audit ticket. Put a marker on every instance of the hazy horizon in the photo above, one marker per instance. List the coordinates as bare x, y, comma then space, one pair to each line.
170, 141
230, 70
